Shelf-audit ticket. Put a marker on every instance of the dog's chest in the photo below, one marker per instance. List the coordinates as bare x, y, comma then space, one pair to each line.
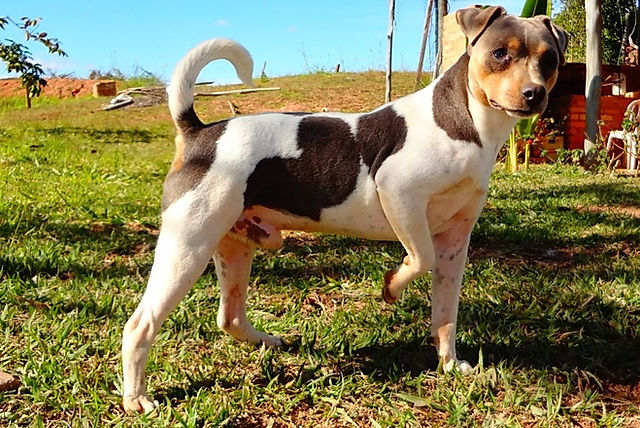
452, 203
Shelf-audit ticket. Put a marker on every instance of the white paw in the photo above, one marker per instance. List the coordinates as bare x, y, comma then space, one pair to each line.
139, 404
460, 365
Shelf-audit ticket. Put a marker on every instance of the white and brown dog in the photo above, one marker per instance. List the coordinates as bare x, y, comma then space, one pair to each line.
414, 170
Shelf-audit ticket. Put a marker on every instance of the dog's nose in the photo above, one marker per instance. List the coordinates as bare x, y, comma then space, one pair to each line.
534, 94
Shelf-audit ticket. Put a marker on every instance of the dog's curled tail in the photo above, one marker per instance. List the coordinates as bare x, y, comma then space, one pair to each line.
180, 90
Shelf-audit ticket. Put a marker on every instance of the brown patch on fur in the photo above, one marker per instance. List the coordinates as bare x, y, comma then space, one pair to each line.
235, 293
327, 171
198, 147
251, 230
178, 157
451, 104
323, 176
380, 134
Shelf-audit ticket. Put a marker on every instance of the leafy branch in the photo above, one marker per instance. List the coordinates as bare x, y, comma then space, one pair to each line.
18, 58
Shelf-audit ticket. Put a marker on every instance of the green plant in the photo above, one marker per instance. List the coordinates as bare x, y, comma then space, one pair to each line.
18, 58
572, 18
522, 133
536, 7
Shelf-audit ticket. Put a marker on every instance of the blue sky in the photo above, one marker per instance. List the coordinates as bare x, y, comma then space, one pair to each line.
294, 36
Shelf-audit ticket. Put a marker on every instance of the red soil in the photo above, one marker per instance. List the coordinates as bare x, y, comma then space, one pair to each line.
56, 87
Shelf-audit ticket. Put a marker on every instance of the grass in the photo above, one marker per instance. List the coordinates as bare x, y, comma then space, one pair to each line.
550, 310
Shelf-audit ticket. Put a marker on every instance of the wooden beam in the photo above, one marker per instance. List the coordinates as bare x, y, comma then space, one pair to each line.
392, 12
234, 91
441, 11
423, 45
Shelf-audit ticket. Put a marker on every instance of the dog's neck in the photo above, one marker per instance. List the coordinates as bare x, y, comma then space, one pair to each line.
493, 125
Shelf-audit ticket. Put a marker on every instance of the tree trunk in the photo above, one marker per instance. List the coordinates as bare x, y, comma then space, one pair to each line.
593, 84
28, 98
441, 10
392, 8
425, 35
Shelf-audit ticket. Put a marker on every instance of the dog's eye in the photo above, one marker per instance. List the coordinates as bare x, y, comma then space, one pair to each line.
500, 54
548, 63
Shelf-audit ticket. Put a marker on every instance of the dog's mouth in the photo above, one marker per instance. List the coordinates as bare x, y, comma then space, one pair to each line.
513, 112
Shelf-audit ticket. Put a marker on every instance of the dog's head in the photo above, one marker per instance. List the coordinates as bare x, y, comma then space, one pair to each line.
513, 61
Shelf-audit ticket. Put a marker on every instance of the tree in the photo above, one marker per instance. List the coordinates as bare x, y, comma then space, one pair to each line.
572, 17
18, 59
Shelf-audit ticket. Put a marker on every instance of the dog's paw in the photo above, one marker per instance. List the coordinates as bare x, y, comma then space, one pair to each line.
387, 296
270, 341
139, 404
461, 366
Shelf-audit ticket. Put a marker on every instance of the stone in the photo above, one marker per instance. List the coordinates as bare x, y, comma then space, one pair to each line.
8, 382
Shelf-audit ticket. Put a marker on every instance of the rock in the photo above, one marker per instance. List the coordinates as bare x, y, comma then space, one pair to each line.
8, 382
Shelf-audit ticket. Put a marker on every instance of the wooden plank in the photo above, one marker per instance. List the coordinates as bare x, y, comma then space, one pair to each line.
234, 91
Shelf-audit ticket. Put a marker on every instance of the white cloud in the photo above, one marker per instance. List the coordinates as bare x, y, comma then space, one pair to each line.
222, 23
293, 28
57, 64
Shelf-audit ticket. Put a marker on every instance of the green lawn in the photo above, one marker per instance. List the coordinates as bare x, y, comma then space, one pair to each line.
550, 309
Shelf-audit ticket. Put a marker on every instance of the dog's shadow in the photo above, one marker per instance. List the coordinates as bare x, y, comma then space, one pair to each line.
594, 346
561, 332
584, 345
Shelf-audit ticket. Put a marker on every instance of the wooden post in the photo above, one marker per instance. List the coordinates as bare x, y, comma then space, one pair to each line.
262, 74
28, 98
593, 83
392, 7
441, 10
423, 45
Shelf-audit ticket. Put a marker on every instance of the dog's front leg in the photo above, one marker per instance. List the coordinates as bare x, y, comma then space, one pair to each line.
451, 248
406, 212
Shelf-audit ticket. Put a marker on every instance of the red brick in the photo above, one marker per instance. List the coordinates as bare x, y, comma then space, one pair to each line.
104, 88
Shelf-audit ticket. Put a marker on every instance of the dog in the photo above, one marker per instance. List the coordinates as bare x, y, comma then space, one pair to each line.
414, 170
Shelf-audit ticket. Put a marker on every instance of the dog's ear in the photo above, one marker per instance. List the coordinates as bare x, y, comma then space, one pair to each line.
560, 36
475, 20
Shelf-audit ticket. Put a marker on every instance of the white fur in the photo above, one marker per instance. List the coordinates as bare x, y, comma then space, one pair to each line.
180, 89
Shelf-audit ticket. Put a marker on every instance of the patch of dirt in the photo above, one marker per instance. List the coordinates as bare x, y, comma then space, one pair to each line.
56, 87
550, 257
623, 394
630, 210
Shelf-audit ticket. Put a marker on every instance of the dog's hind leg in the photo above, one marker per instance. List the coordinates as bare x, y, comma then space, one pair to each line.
451, 248
233, 266
185, 245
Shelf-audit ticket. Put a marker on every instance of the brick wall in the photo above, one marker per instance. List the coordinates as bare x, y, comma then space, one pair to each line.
611, 112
